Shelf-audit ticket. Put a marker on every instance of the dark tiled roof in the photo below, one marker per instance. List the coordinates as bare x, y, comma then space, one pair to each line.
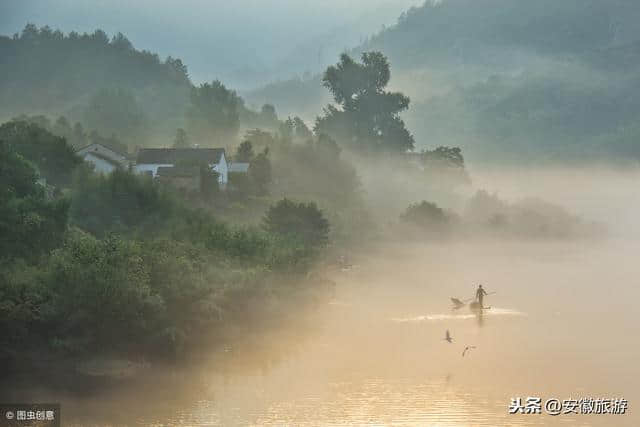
114, 151
105, 158
170, 156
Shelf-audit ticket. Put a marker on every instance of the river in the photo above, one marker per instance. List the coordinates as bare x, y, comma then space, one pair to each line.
562, 324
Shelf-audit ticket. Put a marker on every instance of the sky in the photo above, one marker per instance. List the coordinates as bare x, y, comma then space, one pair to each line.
241, 40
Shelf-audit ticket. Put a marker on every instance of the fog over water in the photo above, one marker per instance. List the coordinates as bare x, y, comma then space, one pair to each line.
511, 94
562, 324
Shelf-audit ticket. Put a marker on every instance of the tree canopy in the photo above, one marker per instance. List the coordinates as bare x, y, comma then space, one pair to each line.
29, 223
50, 154
303, 221
214, 113
368, 118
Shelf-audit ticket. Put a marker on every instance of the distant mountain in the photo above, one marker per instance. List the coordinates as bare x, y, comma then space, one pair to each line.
47, 72
104, 84
514, 79
464, 30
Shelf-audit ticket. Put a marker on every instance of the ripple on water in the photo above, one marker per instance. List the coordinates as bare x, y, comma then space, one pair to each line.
453, 316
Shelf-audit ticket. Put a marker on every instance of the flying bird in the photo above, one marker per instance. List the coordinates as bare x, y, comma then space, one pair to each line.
467, 348
448, 338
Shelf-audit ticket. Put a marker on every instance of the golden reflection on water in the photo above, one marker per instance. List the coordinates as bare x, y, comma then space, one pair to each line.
564, 326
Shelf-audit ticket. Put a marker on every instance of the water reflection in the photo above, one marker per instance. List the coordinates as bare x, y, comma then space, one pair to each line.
377, 357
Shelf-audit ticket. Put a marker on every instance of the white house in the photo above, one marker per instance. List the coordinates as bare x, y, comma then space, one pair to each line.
150, 159
104, 159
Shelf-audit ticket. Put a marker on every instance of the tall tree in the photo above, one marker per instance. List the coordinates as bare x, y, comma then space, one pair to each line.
244, 153
214, 113
29, 223
51, 155
368, 118
303, 221
260, 172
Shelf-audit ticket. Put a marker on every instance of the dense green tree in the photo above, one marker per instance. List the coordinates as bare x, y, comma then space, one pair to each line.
51, 155
445, 165
244, 153
120, 201
302, 132
260, 139
368, 118
303, 221
445, 156
425, 214
294, 129
260, 172
75, 63
213, 116
30, 224
315, 169
101, 294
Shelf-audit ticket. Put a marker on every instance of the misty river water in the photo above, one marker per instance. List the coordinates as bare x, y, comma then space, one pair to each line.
562, 324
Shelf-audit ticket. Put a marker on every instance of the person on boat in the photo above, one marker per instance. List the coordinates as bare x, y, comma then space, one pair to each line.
480, 293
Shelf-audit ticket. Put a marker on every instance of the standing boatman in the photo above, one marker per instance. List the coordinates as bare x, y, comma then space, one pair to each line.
480, 293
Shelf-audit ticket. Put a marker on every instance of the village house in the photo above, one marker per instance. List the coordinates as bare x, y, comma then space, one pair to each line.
104, 159
149, 160
185, 178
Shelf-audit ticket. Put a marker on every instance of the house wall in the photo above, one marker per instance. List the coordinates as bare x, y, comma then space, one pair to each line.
100, 165
151, 167
223, 169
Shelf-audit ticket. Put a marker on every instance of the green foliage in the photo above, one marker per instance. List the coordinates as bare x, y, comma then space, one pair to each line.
101, 296
316, 170
76, 136
301, 221
444, 157
51, 155
294, 130
425, 214
29, 223
116, 112
369, 116
213, 116
260, 173
76, 63
266, 118
446, 165
120, 201
260, 139
244, 153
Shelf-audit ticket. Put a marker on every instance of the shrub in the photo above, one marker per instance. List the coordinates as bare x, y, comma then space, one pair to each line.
425, 214
300, 221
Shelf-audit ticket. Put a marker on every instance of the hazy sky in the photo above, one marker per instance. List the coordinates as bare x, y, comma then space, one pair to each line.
215, 38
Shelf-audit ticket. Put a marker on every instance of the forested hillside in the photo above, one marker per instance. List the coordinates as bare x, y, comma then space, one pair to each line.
554, 80
108, 86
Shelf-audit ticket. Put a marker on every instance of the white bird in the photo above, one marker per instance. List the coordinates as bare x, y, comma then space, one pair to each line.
467, 348
448, 338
